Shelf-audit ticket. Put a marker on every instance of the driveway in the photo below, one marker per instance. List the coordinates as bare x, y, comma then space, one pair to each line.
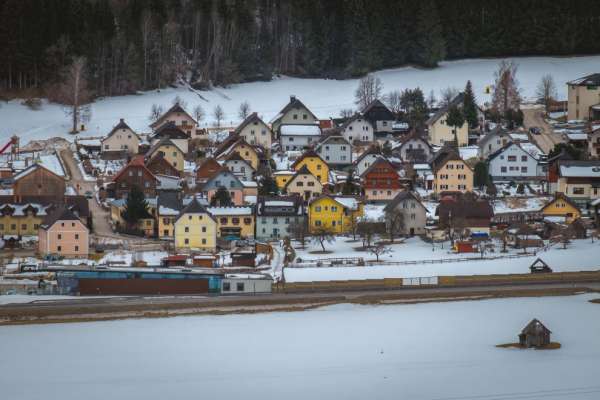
547, 139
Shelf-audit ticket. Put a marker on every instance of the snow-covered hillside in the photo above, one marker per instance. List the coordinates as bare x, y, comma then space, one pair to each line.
325, 97
418, 352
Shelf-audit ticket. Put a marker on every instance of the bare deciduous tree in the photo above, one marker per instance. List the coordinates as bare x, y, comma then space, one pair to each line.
393, 100
74, 93
244, 110
448, 95
394, 223
369, 89
299, 231
431, 100
199, 113
346, 112
379, 249
546, 91
180, 102
218, 115
155, 112
506, 94
323, 235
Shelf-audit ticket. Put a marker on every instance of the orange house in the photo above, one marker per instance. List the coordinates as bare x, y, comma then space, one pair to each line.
62, 233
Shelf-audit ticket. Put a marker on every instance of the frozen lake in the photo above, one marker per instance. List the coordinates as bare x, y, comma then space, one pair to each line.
324, 97
442, 351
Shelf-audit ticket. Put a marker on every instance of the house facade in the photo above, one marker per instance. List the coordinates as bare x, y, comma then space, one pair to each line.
406, 215
255, 131
366, 159
295, 112
173, 133
594, 143
227, 180
180, 118
358, 128
579, 180
236, 144
493, 141
380, 116
234, 222
168, 208
563, 208
195, 228
335, 214
62, 233
275, 215
170, 152
38, 181
414, 149
584, 98
298, 137
135, 174
452, 174
121, 139
240, 167
381, 181
441, 133
335, 151
315, 164
464, 215
513, 162
304, 184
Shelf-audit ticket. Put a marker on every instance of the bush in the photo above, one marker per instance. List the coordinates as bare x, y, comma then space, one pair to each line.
32, 103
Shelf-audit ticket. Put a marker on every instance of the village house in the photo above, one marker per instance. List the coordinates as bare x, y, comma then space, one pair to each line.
516, 161
168, 208
255, 131
335, 151
145, 226
380, 116
493, 141
535, 334
282, 178
414, 148
171, 132
358, 128
304, 184
334, 214
406, 214
234, 222
181, 119
561, 209
225, 179
158, 165
452, 174
170, 152
208, 168
121, 140
37, 180
381, 181
135, 173
195, 228
594, 143
62, 233
240, 167
366, 159
440, 132
315, 164
294, 113
579, 180
584, 98
298, 137
275, 215
465, 215
236, 144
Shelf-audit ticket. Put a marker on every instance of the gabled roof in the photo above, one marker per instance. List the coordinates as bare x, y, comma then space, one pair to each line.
334, 139
588, 80
458, 99
414, 135
373, 150
451, 155
194, 207
535, 327
120, 125
249, 119
506, 146
33, 167
302, 171
563, 197
223, 170
349, 202
377, 162
353, 118
463, 208
209, 168
375, 104
306, 154
136, 161
59, 214
175, 109
404, 195
579, 169
165, 141
168, 202
171, 131
294, 103
497, 131
235, 156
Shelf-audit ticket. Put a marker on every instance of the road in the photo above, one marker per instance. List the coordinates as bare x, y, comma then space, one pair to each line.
534, 117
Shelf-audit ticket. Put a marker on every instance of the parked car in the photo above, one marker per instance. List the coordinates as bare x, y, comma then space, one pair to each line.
535, 130
89, 194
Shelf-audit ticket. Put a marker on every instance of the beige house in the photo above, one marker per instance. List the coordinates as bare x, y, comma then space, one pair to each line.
594, 143
121, 139
304, 184
195, 228
184, 121
255, 132
439, 130
584, 98
452, 174
170, 152
294, 113
62, 233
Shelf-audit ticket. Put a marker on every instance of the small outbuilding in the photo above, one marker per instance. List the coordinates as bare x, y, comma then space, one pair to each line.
538, 266
535, 334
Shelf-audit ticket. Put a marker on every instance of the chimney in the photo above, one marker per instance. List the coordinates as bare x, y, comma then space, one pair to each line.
122, 120
292, 97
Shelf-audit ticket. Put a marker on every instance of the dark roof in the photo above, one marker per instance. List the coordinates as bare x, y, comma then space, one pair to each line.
208, 168
588, 80
443, 156
171, 131
263, 210
464, 208
379, 160
175, 109
120, 125
294, 103
414, 134
376, 104
136, 161
170, 200
164, 141
535, 327
307, 153
235, 156
194, 207
61, 213
371, 150
404, 195
443, 110
249, 119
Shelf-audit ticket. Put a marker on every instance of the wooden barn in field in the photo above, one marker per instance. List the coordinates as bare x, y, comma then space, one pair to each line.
535, 334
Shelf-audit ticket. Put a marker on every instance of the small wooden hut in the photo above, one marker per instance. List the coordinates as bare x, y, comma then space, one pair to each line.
535, 334
539, 266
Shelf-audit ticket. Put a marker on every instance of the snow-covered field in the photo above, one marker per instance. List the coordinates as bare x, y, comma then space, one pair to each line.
324, 97
581, 255
443, 351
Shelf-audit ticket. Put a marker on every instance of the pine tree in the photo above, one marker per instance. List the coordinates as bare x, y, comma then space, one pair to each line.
455, 119
221, 198
267, 186
349, 187
481, 174
470, 106
136, 207
431, 46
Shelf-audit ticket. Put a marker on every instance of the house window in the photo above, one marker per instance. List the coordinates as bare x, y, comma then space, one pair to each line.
247, 221
578, 190
59, 236
512, 158
226, 286
203, 229
524, 158
317, 223
502, 169
187, 229
186, 241
318, 209
77, 236
239, 286
23, 226
76, 248
203, 241
523, 169
295, 116
223, 220
235, 221
59, 248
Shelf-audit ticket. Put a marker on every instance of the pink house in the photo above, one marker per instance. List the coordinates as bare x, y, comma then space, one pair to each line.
64, 234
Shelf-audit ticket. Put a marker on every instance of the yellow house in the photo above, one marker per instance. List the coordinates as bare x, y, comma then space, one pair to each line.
168, 208
439, 130
452, 174
315, 164
237, 144
304, 184
562, 207
234, 221
336, 214
282, 178
145, 224
20, 219
195, 228
170, 152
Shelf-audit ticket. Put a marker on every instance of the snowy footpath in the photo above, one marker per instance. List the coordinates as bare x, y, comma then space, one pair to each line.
442, 351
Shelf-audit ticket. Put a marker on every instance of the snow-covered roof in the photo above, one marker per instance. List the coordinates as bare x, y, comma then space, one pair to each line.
300, 130
468, 152
348, 202
577, 136
250, 199
532, 149
421, 166
519, 136
249, 184
279, 203
162, 210
580, 170
286, 172
219, 211
166, 182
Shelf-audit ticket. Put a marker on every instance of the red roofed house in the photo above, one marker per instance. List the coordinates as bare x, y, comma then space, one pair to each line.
135, 174
381, 181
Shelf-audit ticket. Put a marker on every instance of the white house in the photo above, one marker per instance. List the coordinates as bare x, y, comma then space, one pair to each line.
357, 128
335, 150
298, 137
517, 161
366, 159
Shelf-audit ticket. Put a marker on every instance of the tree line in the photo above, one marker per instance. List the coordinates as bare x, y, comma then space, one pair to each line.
132, 45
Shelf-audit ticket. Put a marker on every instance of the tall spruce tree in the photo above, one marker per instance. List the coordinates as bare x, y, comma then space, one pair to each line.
136, 208
470, 106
